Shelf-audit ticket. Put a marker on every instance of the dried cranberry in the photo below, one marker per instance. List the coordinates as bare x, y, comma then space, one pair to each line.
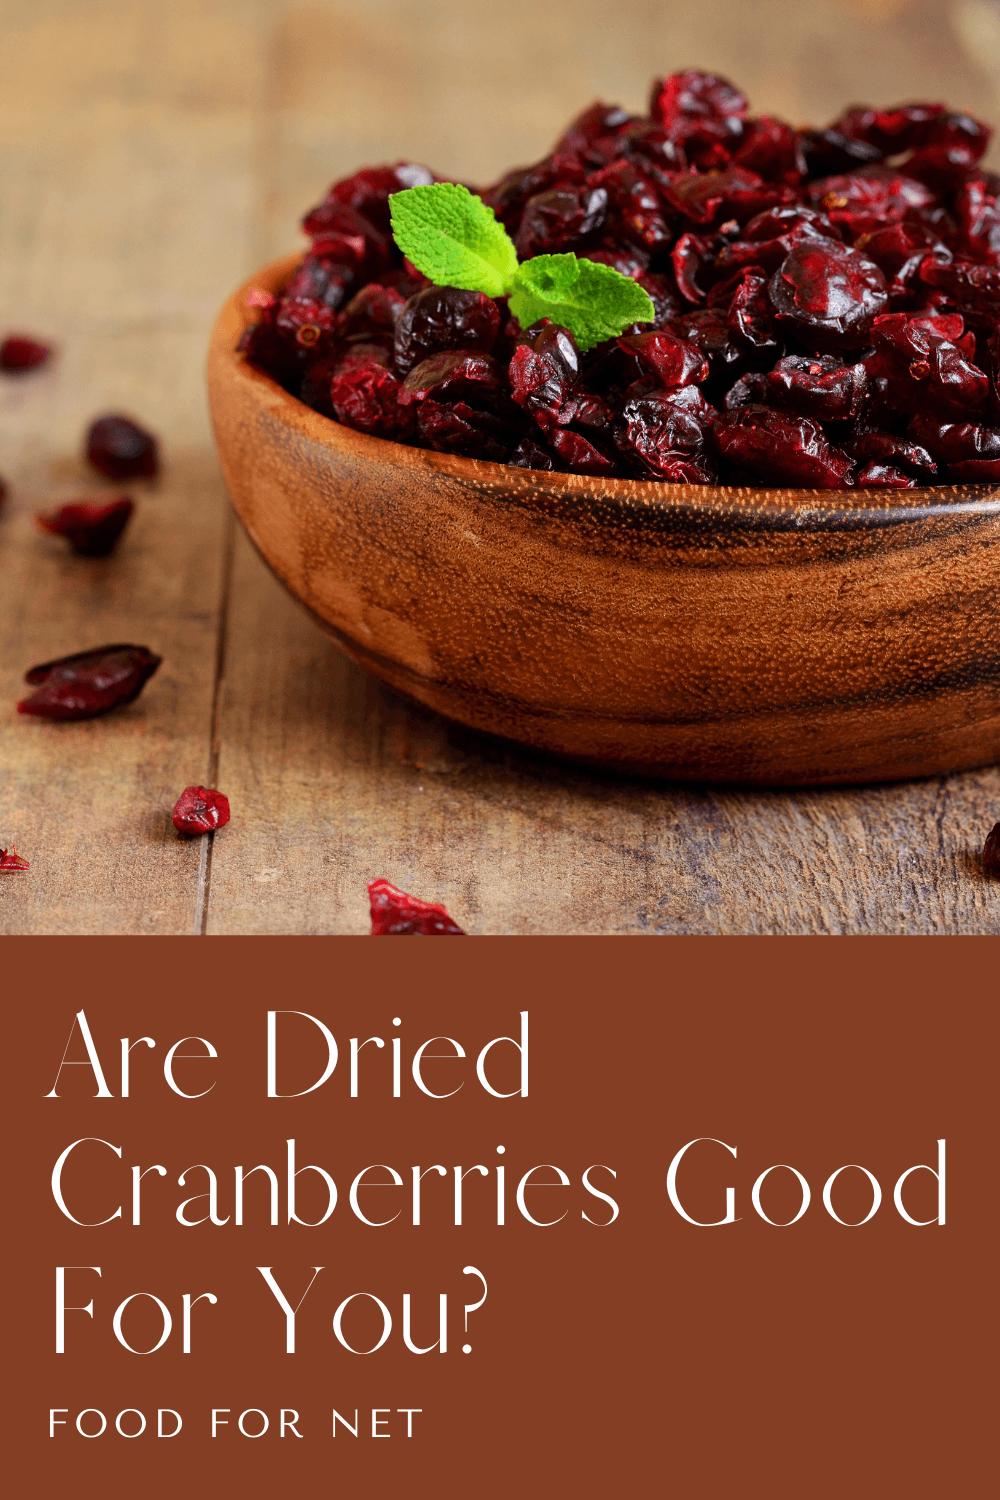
92, 530
455, 375
701, 112
88, 683
817, 386
773, 149
396, 914
672, 360
891, 130
366, 397
693, 259
595, 124
884, 477
975, 471
367, 192
749, 315
709, 332
531, 455
374, 311
710, 197
200, 809
900, 250
828, 294
955, 442
121, 449
443, 317
828, 151
11, 860
991, 851
895, 452
320, 278
863, 201
561, 219
924, 370
463, 429
780, 448
19, 354
663, 435
543, 376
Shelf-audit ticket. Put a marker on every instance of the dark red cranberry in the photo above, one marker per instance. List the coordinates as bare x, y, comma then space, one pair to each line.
672, 360
320, 278
923, 370
120, 449
581, 455
351, 239
11, 860
710, 198
91, 529
443, 317
456, 375
200, 809
531, 455
827, 151
955, 442
663, 435
367, 192
372, 312
543, 376
88, 683
709, 331
864, 201
395, 914
828, 294
366, 397
306, 324
19, 354
701, 112
817, 386
693, 259
991, 851
595, 124
883, 477
975, 471
891, 130
460, 428
772, 149
894, 452
750, 317
780, 448
900, 250
561, 219
638, 203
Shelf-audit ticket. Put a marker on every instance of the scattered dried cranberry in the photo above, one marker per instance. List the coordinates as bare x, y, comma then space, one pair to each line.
828, 294
11, 860
91, 529
120, 449
199, 809
18, 354
395, 914
443, 317
777, 445
366, 397
88, 683
991, 851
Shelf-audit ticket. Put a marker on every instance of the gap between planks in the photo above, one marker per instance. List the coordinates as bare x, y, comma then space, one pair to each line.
203, 892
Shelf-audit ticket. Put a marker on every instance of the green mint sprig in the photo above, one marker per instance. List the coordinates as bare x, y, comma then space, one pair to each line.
453, 238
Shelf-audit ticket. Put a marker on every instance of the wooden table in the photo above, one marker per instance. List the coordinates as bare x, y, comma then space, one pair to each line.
152, 156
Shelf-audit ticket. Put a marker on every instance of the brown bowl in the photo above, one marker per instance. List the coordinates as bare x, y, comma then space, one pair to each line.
726, 635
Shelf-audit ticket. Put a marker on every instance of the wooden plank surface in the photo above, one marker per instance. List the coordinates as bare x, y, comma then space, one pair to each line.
152, 156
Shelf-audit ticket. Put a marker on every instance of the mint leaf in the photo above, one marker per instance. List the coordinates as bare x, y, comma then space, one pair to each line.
593, 301
453, 238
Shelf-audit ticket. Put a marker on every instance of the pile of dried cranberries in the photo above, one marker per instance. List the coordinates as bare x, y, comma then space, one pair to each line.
827, 304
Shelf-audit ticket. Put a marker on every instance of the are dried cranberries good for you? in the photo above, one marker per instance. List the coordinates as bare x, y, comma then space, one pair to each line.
819, 307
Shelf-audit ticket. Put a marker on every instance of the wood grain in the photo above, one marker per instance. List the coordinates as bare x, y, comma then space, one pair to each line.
151, 157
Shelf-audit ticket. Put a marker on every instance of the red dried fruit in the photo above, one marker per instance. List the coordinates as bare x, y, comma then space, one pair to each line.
543, 375
443, 317
672, 360
396, 914
456, 375
780, 448
663, 435
860, 202
19, 354
200, 809
956, 442
883, 476
773, 149
991, 851
561, 219
323, 279
701, 112
896, 452
120, 449
366, 397
88, 683
460, 428
531, 455
923, 369
828, 294
11, 860
92, 529
817, 386
374, 311
368, 193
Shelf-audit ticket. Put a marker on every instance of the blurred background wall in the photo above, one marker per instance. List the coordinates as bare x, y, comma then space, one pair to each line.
153, 152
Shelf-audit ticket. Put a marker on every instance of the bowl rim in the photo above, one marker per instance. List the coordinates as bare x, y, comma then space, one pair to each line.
795, 507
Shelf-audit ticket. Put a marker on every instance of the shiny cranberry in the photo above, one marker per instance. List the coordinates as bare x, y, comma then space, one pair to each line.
711, 197
368, 193
828, 294
864, 201
372, 312
457, 427
828, 151
636, 199
701, 112
443, 317
200, 809
923, 369
817, 386
694, 259
891, 130
664, 435
979, 220
883, 477
895, 452
780, 448
455, 375
955, 442
597, 123
92, 529
531, 455
88, 683
543, 376
19, 354
121, 449
320, 278
396, 914
772, 149
709, 331
672, 360
560, 220
365, 396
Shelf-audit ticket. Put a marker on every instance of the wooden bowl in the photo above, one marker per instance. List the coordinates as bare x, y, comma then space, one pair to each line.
724, 635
